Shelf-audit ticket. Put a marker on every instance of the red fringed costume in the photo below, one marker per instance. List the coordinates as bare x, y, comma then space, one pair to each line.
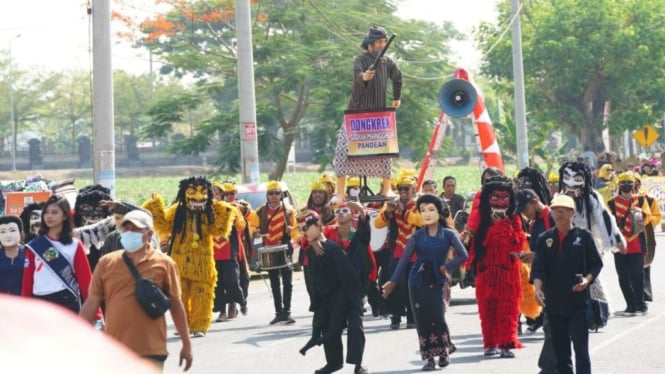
497, 270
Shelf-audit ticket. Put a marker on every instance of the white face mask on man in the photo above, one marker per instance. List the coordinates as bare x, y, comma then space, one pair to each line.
10, 235
131, 241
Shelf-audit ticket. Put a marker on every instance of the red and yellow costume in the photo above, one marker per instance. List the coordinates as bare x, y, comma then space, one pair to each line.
492, 256
192, 223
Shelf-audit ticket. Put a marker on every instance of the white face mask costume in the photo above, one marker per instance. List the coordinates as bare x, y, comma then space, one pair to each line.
573, 183
10, 235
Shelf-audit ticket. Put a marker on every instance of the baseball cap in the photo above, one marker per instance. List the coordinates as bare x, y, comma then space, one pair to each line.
139, 218
522, 198
563, 201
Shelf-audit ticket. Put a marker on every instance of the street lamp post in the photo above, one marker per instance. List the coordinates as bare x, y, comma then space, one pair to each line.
11, 102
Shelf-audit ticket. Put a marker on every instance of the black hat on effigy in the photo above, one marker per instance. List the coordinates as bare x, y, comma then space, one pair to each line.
374, 33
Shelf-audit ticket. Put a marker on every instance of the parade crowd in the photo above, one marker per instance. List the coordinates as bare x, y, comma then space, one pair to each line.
532, 246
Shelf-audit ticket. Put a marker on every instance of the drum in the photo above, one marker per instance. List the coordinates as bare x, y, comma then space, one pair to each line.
273, 257
378, 236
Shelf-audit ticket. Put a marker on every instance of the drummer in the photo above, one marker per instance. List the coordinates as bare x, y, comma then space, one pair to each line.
277, 226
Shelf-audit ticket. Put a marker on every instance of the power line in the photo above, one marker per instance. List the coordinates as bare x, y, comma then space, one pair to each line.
504, 32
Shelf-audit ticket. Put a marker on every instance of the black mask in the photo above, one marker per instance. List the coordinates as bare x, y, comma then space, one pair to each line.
626, 187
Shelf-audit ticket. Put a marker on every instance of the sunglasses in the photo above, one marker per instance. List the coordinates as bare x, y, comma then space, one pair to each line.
274, 193
342, 211
404, 189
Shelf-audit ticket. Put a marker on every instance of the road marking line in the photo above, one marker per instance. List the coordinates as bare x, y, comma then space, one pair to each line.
626, 332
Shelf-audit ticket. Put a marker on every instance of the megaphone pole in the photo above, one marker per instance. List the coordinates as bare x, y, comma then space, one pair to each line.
432, 155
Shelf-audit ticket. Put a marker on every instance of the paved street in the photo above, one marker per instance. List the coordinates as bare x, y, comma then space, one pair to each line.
249, 345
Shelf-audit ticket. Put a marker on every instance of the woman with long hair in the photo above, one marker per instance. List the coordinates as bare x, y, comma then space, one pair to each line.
428, 276
57, 269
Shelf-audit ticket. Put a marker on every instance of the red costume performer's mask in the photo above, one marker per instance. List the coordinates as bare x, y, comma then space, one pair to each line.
499, 203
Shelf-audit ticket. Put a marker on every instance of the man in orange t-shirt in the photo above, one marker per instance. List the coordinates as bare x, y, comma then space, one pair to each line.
113, 283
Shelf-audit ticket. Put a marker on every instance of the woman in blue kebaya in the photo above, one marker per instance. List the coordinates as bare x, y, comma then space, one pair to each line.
428, 277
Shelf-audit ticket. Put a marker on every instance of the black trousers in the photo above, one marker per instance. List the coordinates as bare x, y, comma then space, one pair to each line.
228, 288
374, 293
398, 301
63, 298
355, 335
282, 301
331, 330
244, 280
566, 329
630, 269
648, 293
547, 359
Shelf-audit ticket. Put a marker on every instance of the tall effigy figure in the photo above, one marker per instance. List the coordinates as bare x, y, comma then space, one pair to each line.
370, 82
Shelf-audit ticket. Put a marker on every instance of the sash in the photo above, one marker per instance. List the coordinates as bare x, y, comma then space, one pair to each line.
56, 263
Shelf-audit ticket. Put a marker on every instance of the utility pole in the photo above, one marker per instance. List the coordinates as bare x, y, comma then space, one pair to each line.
249, 147
520, 101
103, 145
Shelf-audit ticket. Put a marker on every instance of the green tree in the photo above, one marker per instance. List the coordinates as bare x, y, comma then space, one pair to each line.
303, 53
32, 91
72, 107
580, 54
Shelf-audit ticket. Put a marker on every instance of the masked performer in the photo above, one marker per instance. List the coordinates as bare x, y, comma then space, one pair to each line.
89, 211
591, 213
31, 217
494, 257
368, 92
12, 255
428, 277
192, 223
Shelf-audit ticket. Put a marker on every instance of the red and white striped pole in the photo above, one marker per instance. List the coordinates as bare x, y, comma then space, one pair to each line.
484, 130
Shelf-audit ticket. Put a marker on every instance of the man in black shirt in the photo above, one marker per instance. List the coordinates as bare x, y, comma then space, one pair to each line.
565, 264
539, 221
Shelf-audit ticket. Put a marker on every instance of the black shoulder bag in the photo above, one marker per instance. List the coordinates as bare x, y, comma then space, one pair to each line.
151, 298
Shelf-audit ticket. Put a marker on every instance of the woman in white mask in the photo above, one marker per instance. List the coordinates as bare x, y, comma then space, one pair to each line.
12, 255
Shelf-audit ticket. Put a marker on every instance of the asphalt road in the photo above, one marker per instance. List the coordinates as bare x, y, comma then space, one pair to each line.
249, 345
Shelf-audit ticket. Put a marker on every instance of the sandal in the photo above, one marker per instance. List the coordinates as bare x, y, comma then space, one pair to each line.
491, 352
507, 354
430, 365
444, 361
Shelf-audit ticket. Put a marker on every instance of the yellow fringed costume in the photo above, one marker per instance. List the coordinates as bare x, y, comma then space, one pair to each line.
192, 223
528, 305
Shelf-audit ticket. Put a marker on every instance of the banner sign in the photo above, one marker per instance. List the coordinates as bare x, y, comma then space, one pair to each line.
655, 187
371, 133
16, 201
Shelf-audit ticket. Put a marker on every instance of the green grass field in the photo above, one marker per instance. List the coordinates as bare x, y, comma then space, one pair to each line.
138, 189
